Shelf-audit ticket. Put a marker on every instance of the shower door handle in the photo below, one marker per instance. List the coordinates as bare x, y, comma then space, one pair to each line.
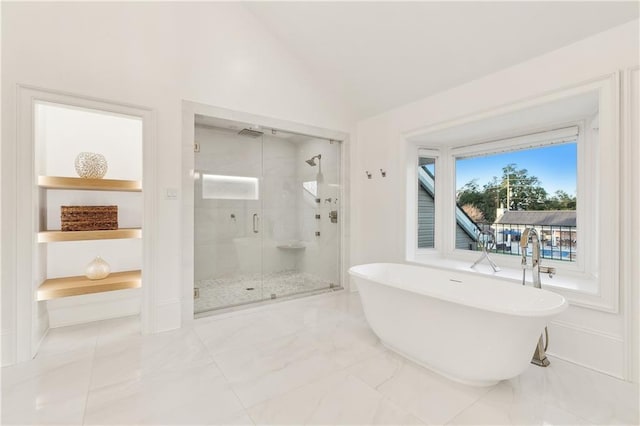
255, 223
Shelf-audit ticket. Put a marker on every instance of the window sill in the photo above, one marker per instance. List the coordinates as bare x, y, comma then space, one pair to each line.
570, 285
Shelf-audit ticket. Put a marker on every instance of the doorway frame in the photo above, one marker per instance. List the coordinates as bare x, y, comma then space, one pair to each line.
189, 111
23, 238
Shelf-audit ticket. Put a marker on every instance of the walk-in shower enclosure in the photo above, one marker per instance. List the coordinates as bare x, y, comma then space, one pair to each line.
266, 221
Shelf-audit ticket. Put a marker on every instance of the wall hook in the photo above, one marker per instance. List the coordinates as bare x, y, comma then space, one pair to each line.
368, 174
383, 173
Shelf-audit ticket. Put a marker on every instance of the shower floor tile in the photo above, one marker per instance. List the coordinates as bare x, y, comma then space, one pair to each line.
239, 289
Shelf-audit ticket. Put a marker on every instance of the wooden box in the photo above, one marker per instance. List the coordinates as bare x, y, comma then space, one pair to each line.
89, 218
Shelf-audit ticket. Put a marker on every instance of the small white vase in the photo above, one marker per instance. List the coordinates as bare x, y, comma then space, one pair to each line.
97, 269
91, 165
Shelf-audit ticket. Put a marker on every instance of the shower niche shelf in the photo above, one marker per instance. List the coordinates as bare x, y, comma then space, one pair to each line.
56, 288
74, 183
292, 246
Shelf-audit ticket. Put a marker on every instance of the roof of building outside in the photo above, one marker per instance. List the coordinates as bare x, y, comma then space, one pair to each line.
463, 220
539, 217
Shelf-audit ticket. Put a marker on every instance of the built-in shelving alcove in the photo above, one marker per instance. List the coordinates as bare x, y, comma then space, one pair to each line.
61, 133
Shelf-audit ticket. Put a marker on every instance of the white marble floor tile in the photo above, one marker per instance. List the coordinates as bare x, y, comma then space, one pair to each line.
308, 314
71, 338
345, 302
325, 309
138, 356
118, 329
503, 405
264, 371
307, 361
378, 369
199, 395
347, 342
47, 390
598, 398
241, 330
429, 396
339, 399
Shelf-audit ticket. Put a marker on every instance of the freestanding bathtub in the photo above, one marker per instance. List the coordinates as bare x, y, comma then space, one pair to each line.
470, 328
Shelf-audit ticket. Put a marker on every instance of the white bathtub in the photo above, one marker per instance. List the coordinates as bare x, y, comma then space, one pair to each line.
470, 328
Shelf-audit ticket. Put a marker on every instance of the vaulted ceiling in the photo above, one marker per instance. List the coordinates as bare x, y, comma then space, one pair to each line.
382, 55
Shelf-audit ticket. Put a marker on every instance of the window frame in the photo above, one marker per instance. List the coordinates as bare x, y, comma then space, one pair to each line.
541, 139
593, 280
435, 155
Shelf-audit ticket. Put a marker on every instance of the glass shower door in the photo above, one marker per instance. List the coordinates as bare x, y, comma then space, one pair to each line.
228, 219
266, 215
300, 205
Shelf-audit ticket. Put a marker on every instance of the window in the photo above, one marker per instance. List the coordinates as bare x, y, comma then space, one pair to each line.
426, 201
504, 193
568, 142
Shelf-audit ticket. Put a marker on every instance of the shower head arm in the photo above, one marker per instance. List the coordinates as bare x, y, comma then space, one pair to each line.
312, 161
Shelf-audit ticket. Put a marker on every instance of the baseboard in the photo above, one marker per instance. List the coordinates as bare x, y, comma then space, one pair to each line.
589, 348
93, 307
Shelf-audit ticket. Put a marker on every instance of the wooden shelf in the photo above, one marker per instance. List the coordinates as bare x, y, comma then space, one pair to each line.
75, 286
58, 182
56, 236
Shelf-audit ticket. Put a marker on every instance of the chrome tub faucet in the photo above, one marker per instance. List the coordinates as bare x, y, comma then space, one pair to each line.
539, 355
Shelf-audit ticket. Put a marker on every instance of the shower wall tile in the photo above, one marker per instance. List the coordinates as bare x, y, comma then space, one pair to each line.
217, 259
322, 253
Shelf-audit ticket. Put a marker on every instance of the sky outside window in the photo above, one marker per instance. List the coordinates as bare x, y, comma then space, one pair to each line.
555, 166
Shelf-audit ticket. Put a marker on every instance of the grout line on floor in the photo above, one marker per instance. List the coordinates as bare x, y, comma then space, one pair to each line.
86, 399
226, 379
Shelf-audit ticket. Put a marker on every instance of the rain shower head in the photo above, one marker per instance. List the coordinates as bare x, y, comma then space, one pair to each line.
312, 161
250, 132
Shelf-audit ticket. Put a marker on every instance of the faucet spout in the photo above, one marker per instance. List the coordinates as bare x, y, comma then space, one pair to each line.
531, 234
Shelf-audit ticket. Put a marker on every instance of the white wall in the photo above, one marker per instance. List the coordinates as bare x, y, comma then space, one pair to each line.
153, 55
63, 132
596, 339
